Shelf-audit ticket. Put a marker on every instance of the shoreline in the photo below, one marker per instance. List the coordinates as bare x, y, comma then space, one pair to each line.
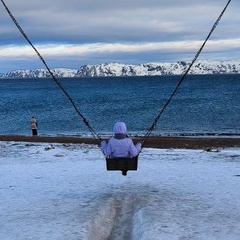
163, 142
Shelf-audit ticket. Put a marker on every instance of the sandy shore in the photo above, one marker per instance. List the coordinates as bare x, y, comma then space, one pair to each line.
153, 142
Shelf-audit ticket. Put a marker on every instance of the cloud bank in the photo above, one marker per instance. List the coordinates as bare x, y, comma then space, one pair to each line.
70, 34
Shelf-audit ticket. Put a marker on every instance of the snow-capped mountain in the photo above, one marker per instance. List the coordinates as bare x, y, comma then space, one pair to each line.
42, 73
117, 69
2, 75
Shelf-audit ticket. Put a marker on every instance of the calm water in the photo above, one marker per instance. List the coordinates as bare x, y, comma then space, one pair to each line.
204, 105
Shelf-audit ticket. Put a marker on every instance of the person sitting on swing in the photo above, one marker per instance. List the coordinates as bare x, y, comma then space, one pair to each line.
120, 145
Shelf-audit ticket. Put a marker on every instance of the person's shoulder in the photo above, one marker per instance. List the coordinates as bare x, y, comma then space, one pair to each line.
111, 139
128, 139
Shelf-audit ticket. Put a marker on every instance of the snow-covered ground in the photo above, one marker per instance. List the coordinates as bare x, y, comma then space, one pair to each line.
63, 192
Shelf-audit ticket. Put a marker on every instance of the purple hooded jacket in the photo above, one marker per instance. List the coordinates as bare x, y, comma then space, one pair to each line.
120, 145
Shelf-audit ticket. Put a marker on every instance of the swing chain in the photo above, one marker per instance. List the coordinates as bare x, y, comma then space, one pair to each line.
94, 134
154, 124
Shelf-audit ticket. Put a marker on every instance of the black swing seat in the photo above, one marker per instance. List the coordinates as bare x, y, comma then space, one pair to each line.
122, 164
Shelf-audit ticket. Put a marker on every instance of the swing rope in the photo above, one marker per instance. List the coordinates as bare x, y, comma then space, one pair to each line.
154, 124
94, 134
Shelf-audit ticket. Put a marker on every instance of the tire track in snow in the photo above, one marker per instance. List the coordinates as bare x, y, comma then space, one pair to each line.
123, 222
116, 217
112, 220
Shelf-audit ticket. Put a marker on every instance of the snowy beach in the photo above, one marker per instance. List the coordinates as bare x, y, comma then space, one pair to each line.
63, 191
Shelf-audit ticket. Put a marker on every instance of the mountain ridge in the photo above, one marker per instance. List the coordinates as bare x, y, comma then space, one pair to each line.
144, 69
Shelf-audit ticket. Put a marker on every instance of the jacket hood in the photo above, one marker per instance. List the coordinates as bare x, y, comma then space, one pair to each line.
120, 127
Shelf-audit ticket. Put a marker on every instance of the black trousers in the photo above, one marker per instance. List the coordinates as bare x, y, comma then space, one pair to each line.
34, 132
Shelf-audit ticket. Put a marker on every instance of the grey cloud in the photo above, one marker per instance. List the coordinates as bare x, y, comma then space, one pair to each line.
113, 21
110, 21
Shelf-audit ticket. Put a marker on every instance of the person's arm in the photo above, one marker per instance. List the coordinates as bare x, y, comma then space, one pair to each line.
106, 148
135, 149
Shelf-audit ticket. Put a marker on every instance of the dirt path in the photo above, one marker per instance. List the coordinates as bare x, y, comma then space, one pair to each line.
154, 142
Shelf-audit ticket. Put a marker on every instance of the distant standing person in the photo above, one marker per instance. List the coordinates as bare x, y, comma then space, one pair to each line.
34, 125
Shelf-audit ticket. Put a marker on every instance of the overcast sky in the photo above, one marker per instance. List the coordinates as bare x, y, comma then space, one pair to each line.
77, 32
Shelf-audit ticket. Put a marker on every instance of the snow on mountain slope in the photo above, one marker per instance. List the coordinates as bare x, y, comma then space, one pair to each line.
118, 69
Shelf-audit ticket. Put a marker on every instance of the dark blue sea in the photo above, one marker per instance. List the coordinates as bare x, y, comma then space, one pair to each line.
204, 105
